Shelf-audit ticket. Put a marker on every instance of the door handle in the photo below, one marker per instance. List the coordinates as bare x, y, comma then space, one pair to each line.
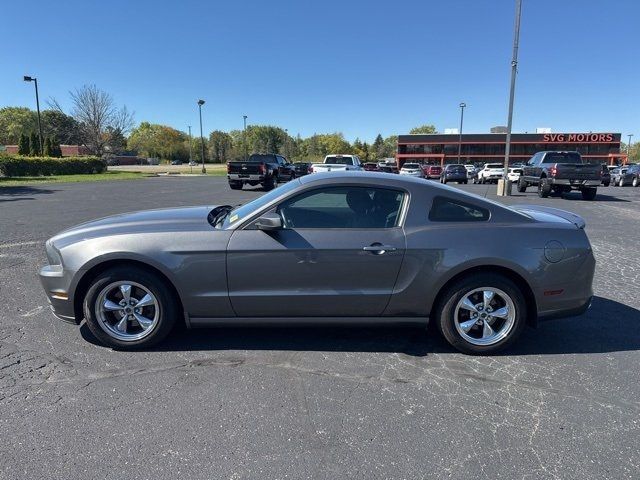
379, 249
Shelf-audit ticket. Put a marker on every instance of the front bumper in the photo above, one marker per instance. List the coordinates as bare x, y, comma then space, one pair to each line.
55, 282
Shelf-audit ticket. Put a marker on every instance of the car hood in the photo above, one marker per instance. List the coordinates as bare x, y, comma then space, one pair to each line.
145, 221
550, 214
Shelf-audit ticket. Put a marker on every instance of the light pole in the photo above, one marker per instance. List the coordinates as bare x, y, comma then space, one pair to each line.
629, 146
286, 143
462, 106
200, 103
190, 155
35, 80
514, 70
244, 136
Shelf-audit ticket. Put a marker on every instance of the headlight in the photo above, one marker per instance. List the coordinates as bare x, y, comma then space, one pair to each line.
53, 255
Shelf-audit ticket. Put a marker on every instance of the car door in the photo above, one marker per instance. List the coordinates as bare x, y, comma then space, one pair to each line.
338, 254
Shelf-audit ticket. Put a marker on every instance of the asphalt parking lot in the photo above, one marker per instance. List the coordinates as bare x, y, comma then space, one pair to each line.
312, 402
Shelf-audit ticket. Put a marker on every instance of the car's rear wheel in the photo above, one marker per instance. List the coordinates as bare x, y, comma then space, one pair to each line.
271, 183
544, 188
235, 185
635, 182
482, 313
129, 308
589, 193
621, 183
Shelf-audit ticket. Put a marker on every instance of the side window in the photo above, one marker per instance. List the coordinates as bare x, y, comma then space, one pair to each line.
280, 160
449, 210
343, 207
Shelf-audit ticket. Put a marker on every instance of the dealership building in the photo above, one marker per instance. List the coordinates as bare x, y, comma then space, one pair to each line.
440, 149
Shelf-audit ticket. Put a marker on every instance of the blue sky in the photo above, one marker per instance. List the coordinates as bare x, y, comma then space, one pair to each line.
353, 66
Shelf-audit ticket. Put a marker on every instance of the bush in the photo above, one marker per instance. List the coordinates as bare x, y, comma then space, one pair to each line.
13, 166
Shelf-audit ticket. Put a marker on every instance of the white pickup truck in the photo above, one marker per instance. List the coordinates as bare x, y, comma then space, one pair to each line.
338, 163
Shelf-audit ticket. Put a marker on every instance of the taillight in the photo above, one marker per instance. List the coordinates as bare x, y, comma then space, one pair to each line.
553, 171
310, 169
228, 168
261, 168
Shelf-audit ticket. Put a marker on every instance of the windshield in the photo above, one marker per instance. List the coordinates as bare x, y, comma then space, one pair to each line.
411, 165
339, 160
242, 211
563, 157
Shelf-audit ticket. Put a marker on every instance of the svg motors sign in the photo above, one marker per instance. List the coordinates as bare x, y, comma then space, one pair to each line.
578, 137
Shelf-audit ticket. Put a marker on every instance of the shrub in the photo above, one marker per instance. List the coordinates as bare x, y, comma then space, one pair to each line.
13, 166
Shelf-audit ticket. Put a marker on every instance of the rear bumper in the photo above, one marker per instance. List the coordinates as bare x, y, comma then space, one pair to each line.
575, 183
238, 177
55, 281
568, 312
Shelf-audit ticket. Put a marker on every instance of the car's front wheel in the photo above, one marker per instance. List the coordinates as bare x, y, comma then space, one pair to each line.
482, 313
129, 308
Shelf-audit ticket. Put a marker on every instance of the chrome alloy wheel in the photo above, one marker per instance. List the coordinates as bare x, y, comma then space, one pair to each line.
484, 316
127, 310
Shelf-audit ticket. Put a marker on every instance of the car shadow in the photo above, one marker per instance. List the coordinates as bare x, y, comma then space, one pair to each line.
608, 326
600, 197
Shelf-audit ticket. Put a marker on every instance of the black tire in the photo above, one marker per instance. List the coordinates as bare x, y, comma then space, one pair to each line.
621, 183
606, 184
271, 183
635, 182
236, 185
445, 311
444, 180
544, 188
167, 305
292, 176
589, 193
522, 185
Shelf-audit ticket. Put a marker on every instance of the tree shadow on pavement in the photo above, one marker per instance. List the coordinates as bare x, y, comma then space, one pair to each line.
17, 193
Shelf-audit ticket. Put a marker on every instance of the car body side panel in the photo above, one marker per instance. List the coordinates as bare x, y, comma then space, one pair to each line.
194, 261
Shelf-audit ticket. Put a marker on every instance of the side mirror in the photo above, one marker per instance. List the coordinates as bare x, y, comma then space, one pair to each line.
269, 221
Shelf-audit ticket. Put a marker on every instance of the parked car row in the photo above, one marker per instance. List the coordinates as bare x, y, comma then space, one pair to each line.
627, 175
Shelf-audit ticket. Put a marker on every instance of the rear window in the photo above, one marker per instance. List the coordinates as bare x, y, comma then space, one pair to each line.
411, 165
339, 160
446, 209
261, 158
494, 165
562, 157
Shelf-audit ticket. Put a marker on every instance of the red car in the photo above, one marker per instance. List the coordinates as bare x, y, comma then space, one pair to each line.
432, 171
370, 167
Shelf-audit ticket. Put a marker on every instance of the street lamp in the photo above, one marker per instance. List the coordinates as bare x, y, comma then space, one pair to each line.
502, 184
244, 137
200, 103
462, 107
35, 80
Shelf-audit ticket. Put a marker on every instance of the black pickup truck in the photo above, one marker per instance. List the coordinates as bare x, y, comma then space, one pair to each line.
264, 169
560, 172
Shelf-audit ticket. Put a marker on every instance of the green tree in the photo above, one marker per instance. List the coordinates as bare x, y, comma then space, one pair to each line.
220, 146
56, 151
366, 154
378, 147
15, 121
23, 145
423, 129
61, 126
34, 144
390, 146
161, 141
48, 152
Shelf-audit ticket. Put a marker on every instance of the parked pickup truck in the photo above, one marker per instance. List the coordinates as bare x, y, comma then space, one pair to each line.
338, 163
264, 169
560, 172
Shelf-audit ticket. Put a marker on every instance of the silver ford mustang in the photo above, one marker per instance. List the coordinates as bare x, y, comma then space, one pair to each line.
326, 248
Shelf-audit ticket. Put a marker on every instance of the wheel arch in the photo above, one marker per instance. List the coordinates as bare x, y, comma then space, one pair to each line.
515, 277
84, 281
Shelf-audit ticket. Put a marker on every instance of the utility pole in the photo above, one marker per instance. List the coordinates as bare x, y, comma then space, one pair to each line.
462, 105
504, 191
244, 137
629, 146
190, 154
